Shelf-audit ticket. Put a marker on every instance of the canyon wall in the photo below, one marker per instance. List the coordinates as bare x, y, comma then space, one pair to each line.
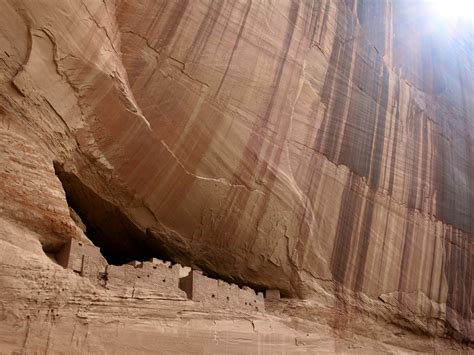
322, 148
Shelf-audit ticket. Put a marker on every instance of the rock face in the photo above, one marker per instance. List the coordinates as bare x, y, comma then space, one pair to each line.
322, 148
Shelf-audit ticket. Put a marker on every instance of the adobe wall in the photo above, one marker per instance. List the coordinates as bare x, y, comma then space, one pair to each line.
272, 294
157, 278
83, 259
153, 276
220, 294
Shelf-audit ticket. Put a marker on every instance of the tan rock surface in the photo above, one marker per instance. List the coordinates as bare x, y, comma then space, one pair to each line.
322, 148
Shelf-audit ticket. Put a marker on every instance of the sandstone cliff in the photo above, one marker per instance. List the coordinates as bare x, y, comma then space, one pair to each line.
322, 148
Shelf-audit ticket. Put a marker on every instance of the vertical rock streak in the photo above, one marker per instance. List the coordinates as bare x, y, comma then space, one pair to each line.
294, 145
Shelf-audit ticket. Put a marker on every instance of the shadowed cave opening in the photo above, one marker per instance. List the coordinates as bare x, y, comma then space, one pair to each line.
119, 239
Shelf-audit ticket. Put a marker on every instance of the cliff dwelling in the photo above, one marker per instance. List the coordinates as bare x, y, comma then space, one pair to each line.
236, 177
120, 251
113, 233
119, 240
159, 277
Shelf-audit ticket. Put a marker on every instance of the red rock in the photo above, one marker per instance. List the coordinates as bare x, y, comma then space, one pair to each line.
321, 148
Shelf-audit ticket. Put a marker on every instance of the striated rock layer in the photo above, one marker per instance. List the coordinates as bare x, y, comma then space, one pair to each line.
322, 148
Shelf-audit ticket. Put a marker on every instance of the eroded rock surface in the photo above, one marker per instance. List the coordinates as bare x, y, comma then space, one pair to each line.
321, 148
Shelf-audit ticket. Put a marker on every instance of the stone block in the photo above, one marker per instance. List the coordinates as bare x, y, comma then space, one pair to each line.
272, 294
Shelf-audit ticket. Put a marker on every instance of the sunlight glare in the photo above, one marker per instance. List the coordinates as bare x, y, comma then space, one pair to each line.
455, 9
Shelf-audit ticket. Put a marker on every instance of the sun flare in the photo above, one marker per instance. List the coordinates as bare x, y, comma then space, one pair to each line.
454, 9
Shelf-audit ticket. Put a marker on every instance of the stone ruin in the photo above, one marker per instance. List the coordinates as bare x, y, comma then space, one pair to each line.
154, 277
272, 294
157, 278
83, 259
220, 294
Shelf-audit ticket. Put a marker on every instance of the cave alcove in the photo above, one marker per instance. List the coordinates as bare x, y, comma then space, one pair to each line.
107, 226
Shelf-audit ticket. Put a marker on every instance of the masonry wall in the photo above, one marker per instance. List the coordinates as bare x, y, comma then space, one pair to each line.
220, 294
152, 276
84, 259
147, 279
157, 279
